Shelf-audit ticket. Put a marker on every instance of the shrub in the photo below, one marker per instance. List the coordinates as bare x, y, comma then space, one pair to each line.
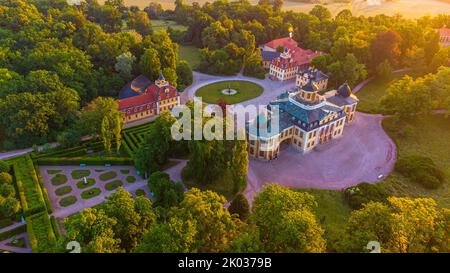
4, 167
125, 171
7, 190
363, 193
63, 190
108, 176
9, 206
58, 179
421, 170
240, 206
5, 178
67, 201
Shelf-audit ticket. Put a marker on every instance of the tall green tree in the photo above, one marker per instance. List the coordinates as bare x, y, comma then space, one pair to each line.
286, 221
150, 64
124, 65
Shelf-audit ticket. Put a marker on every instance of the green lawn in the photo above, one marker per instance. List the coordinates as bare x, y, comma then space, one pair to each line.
113, 185
332, 212
428, 136
190, 54
108, 176
90, 193
77, 174
90, 182
67, 201
130, 179
18, 243
369, 96
63, 190
245, 91
159, 25
59, 179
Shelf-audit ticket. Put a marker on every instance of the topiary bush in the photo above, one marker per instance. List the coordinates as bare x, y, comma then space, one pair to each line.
420, 169
363, 193
5, 178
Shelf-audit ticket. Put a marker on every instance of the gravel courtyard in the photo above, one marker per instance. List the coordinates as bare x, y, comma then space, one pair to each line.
361, 155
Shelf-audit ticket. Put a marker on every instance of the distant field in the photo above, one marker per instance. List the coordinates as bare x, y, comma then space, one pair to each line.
190, 54
408, 8
164, 24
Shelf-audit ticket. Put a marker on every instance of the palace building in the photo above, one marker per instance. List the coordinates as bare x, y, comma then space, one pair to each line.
284, 66
141, 99
306, 119
444, 36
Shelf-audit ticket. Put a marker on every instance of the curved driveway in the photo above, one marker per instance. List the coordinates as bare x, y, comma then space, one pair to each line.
363, 152
271, 88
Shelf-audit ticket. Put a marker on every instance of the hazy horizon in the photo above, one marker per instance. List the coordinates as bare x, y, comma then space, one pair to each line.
408, 8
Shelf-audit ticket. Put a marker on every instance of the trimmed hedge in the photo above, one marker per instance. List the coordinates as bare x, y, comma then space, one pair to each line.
40, 233
29, 189
93, 161
55, 227
10, 233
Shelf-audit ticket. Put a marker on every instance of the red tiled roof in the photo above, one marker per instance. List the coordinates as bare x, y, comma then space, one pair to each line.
444, 32
286, 42
135, 101
163, 93
305, 56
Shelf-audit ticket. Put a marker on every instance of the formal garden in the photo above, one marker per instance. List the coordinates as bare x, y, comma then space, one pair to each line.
231, 92
69, 185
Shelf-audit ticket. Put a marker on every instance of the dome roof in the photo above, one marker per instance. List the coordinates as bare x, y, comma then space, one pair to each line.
344, 90
310, 87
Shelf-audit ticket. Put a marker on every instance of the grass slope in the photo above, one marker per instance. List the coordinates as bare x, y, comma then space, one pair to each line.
191, 54
428, 136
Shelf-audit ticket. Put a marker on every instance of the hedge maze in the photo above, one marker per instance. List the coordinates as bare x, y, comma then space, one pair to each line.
133, 137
